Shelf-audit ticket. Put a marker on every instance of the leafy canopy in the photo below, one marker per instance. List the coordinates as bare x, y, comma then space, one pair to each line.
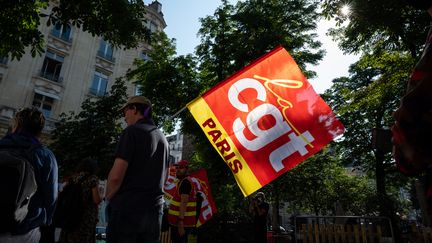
169, 81
93, 132
377, 25
119, 22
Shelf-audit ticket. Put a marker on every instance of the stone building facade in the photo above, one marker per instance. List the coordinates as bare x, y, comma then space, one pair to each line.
75, 66
180, 147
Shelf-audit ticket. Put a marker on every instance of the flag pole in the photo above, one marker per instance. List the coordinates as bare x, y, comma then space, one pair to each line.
183, 108
178, 112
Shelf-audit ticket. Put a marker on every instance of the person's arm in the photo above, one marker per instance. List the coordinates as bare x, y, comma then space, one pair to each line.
115, 177
184, 199
185, 188
47, 162
96, 196
430, 11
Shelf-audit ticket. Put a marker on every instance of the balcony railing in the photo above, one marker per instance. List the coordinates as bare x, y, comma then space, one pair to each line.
98, 92
105, 56
50, 124
51, 76
60, 36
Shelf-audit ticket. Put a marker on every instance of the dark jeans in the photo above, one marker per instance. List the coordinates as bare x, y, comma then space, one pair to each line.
260, 232
47, 234
127, 226
176, 238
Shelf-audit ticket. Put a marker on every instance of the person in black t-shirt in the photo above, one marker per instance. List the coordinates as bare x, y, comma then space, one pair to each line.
259, 209
135, 182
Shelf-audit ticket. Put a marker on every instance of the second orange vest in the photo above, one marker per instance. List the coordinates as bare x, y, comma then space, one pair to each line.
189, 219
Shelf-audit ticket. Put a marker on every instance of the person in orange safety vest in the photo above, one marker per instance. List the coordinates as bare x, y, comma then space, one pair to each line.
182, 210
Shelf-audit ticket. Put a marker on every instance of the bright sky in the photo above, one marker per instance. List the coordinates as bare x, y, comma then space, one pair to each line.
182, 18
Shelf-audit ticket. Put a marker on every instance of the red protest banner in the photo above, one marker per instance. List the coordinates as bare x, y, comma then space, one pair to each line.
265, 120
200, 182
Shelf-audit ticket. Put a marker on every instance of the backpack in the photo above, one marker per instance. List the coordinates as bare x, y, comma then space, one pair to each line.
17, 184
70, 206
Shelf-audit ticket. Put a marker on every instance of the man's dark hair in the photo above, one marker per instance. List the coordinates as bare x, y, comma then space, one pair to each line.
29, 120
144, 109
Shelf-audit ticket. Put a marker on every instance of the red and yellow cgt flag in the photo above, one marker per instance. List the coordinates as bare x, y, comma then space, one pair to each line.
265, 119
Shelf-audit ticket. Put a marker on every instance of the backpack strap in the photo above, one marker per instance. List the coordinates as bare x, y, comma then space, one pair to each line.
20, 145
28, 148
14, 146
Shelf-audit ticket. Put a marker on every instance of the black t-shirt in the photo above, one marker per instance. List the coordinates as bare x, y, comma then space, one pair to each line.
145, 149
261, 220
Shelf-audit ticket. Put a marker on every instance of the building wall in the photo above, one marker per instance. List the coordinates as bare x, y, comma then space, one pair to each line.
175, 143
181, 147
21, 80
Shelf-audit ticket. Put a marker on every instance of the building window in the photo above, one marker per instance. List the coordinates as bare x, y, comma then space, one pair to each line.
62, 31
3, 60
138, 89
99, 84
152, 26
43, 103
144, 56
106, 50
52, 66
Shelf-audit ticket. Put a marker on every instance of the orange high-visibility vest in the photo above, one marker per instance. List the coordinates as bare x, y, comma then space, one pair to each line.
189, 219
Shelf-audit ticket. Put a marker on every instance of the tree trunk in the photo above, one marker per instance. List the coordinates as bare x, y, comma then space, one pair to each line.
380, 182
386, 205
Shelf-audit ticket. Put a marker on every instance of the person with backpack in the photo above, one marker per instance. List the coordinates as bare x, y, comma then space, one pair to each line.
77, 212
28, 179
135, 182
183, 210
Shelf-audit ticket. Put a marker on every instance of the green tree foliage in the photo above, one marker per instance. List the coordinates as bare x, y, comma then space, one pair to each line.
237, 35
93, 132
365, 100
390, 36
19, 21
377, 25
314, 187
119, 22
169, 81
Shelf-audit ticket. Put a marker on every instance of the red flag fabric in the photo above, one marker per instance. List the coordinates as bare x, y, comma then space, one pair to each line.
265, 120
200, 182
